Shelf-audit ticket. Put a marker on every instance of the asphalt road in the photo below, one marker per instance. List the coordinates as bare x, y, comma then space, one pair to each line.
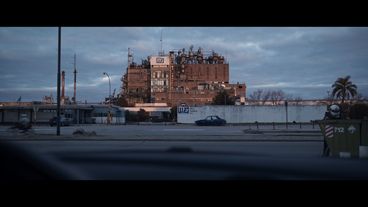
183, 152
174, 132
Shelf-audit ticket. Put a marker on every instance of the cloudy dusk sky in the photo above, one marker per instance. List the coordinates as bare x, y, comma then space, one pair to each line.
303, 62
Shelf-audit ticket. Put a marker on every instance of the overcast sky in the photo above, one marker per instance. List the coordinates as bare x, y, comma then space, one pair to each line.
303, 62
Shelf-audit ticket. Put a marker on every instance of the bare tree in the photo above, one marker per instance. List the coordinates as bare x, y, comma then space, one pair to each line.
298, 100
261, 97
266, 96
289, 97
256, 97
276, 97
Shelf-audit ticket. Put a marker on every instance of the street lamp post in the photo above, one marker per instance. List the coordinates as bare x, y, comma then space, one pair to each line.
104, 73
58, 84
109, 114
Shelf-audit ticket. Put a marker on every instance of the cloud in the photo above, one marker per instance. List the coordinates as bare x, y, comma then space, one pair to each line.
303, 61
290, 85
28, 89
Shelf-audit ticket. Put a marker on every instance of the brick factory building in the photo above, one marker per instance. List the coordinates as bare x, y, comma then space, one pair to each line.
193, 77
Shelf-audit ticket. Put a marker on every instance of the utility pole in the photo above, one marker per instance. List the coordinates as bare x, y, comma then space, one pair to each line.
58, 84
75, 79
63, 85
161, 52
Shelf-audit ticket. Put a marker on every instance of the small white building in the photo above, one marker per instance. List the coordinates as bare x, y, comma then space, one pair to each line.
155, 110
38, 112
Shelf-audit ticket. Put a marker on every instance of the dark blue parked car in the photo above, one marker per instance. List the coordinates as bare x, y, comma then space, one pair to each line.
63, 121
211, 121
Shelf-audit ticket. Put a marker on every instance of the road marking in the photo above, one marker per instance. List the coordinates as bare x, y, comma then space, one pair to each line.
183, 129
45, 129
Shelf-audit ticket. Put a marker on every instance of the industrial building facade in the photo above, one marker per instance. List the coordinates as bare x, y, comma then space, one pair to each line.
192, 77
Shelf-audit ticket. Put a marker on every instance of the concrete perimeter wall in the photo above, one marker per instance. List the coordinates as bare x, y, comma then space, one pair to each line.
247, 114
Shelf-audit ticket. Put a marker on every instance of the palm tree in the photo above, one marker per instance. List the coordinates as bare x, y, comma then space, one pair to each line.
343, 88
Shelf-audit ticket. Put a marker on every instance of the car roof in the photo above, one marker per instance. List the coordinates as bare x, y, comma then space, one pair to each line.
212, 116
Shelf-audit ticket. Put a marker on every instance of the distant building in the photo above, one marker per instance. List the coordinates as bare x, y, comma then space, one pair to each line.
192, 77
307, 102
39, 112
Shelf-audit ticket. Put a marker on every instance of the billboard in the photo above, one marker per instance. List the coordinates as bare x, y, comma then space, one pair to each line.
160, 61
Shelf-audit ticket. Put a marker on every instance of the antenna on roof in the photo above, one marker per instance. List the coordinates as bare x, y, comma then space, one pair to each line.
130, 57
161, 52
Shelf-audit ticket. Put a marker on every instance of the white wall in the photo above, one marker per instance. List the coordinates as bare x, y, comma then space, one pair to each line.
115, 120
246, 114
